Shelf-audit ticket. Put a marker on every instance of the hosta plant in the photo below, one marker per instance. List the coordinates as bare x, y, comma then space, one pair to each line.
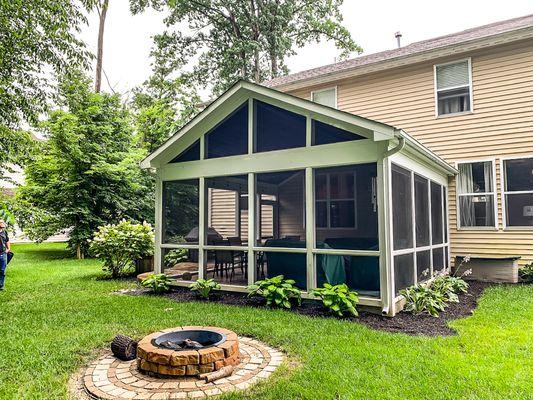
278, 291
159, 283
421, 299
450, 286
339, 299
204, 287
526, 273
175, 256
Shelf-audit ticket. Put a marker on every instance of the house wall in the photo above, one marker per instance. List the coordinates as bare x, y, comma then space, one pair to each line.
499, 126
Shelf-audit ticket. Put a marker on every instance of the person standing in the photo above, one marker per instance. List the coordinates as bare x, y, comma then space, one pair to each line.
5, 247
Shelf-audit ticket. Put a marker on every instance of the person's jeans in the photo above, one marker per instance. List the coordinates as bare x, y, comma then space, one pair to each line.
3, 266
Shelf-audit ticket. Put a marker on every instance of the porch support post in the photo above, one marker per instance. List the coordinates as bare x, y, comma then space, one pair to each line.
384, 232
202, 229
158, 222
251, 228
310, 228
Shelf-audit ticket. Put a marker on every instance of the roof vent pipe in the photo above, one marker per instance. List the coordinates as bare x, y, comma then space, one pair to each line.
398, 36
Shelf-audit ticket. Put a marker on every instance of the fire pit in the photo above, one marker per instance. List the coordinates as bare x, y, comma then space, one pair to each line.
187, 351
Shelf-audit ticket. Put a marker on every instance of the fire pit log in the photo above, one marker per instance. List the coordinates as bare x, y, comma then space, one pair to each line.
221, 373
124, 348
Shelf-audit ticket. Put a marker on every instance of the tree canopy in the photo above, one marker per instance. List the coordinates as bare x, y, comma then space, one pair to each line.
87, 173
248, 39
38, 40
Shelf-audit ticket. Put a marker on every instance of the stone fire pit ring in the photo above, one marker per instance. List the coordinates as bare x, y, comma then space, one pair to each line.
156, 360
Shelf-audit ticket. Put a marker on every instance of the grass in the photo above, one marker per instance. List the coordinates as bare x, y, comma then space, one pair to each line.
55, 314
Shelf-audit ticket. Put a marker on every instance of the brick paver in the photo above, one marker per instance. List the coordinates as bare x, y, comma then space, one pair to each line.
109, 378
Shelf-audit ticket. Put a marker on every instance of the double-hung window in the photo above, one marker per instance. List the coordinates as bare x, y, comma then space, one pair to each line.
518, 192
335, 200
453, 87
326, 97
476, 194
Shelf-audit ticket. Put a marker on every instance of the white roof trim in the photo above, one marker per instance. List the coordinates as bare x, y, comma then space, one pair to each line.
247, 89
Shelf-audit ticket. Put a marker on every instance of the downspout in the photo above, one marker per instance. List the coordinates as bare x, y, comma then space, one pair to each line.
399, 147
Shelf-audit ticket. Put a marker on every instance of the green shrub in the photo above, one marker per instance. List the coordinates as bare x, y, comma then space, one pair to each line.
423, 299
277, 291
338, 299
159, 283
176, 256
526, 273
204, 287
119, 245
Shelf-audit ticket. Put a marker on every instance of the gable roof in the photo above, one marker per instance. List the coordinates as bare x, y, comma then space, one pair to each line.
243, 90
470, 39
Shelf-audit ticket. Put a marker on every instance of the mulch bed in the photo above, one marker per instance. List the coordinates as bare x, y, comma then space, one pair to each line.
422, 324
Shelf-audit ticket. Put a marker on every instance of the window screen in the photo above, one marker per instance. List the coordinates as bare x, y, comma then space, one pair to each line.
403, 271
230, 137
422, 211
180, 211
325, 134
518, 192
277, 129
453, 87
423, 265
190, 154
402, 211
436, 213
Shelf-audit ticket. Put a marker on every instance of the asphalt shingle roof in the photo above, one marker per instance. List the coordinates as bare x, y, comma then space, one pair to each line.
479, 32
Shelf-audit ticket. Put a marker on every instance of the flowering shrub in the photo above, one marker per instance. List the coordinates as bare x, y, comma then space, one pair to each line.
119, 245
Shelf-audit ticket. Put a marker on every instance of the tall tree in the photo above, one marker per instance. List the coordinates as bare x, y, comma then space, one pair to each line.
247, 39
36, 37
87, 173
101, 8
161, 106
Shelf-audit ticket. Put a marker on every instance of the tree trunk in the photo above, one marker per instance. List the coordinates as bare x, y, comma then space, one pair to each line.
273, 65
257, 67
100, 51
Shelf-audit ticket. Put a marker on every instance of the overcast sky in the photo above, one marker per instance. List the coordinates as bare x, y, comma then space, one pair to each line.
128, 39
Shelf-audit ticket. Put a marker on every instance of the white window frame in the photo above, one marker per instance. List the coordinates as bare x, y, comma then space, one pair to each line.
494, 193
504, 192
328, 201
334, 88
436, 90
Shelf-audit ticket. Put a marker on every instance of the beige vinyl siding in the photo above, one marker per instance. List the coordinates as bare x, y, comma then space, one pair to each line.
291, 207
500, 125
222, 212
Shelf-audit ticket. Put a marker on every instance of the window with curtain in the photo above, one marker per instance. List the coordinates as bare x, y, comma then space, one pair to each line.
476, 194
518, 192
326, 97
453, 87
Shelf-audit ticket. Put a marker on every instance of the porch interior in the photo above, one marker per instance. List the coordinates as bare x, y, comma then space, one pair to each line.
345, 219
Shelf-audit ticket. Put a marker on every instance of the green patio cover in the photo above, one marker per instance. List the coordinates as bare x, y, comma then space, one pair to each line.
332, 267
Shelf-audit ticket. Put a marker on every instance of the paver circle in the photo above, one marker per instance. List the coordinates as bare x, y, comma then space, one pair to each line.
112, 379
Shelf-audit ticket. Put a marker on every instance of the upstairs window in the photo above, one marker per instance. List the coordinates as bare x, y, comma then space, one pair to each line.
326, 97
476, 194
453, 87
518, 192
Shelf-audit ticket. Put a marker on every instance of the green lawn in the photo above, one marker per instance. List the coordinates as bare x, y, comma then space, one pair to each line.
55, 314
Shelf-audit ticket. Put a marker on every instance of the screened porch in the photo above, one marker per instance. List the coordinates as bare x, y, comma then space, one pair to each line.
262, 184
